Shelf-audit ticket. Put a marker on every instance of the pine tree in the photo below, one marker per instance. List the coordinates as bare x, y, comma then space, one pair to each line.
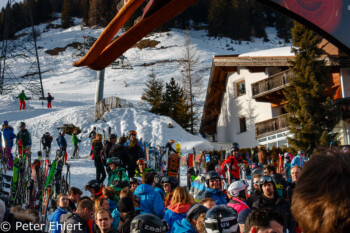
170, 97
312, 113
153, 93
66, 19
183, 112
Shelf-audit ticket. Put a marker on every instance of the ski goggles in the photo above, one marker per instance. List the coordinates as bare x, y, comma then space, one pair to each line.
141, 161
132, 132
265, 179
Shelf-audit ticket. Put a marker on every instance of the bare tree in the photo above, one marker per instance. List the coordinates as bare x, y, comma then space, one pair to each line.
191, 78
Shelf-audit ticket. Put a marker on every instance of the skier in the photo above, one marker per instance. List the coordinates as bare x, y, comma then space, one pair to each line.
190, 223
92, 136
98, 158
221, 219
23, 139
233, 162
117, 177
169, 146
94, 187
108, 145
46, 140
299, 160
135, 151
49, 100
213, 185
54, 218
22, 100
62, 144
8, 135
119, 150
141, 163
148, 223
75, 143
238, 195
169, 184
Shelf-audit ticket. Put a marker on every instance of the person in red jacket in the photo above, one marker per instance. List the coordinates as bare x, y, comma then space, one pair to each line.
233, 162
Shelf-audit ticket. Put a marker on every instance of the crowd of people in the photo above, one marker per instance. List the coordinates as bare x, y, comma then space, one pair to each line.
309, 196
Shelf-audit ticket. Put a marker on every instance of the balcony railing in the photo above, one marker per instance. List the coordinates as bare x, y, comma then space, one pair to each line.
272, 83
271, 125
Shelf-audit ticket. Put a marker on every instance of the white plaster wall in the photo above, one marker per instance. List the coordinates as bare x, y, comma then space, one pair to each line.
233, 108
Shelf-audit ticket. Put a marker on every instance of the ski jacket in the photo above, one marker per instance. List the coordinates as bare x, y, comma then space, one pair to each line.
237, 204
176, 212
22, 96
279, 205
138, 173
73, 219
158, 188
125, 226
49, 98
120, 151
280, 184
8, 135
150, 201
116, 218
253, 198
62, 143
297, 161
112, 205
183, 226
46, 141
97, 148
198, 188
75, 140
232, 161
136, 151
54, 219
25, 137
218, 196
118, 174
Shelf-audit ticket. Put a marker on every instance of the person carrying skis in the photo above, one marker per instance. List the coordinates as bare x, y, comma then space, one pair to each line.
49, 100
46, 140
75, 143
23, 139
233, 162
117, 177
62, 143
97, 148
22, 100
8, 135
169, 146
141, 163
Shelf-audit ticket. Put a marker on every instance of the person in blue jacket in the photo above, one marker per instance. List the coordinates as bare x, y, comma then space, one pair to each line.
62, 143
54, 218
212, 190
188, 224
9, 135
150, 200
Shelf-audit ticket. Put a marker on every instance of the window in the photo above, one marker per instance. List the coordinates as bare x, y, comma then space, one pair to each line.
240, 87
242, 125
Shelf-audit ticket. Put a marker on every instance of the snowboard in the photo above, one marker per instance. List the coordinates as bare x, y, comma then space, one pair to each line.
174, 162
183, 180
152, 158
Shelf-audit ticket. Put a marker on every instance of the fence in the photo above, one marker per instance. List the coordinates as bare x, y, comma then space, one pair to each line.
109, 103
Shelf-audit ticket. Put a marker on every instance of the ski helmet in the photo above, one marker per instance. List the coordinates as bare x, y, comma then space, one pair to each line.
112, 136
266, 179
236, 187
235, 148
94, 184
169, 179
22, 124
114, 160
132, 132
235, 144
148, 223
221, 219
133, 180
211, 175
47, 134
141, 161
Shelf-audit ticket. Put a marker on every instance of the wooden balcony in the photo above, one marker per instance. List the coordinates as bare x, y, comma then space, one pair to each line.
271, 126
270, 89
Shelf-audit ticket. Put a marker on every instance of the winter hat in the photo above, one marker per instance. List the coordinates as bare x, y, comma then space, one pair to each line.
195, 212
243, 215
126, 205
6, 122
236, 187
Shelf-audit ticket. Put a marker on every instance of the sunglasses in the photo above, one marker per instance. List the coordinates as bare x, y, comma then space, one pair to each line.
256, 182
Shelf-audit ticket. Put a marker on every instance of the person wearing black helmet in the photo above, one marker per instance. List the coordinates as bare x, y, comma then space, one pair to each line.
46, 141
141, 168
148, 223
270, 199
23, 139
221, 219
212, 190
169, 184
94, 187
133, 183
190, 224
117, 177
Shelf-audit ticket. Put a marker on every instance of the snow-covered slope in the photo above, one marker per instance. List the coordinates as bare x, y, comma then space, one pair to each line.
74, 88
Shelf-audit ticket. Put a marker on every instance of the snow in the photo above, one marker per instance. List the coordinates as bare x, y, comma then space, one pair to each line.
74, 89
276, 52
